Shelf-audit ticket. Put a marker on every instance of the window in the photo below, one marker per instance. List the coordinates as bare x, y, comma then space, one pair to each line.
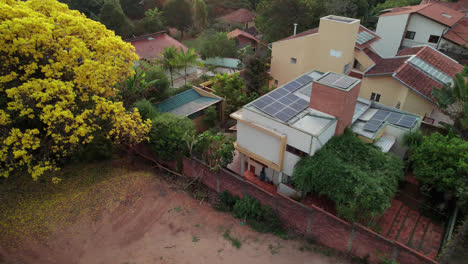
410, 34
276, 82
346, 68
398, 105
293, 60
295, 151
356, 64
375, 97
434, 39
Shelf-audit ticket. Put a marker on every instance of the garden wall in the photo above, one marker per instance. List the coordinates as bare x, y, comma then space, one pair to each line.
310, 221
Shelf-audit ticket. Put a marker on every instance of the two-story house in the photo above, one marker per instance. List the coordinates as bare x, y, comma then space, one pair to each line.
432, 23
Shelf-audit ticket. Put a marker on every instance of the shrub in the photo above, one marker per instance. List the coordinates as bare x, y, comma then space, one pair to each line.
146, 109
360, 178
226, 201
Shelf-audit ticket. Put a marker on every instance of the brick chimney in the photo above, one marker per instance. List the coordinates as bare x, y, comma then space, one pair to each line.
336, 95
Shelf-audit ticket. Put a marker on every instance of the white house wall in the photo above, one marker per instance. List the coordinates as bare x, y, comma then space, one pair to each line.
289, 162
450, 46
258, 142
398, 149
324, 138
424, 28
391, 30
295, 138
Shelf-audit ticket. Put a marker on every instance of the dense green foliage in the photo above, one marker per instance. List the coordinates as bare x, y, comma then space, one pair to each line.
394, 3
91, 8
200, 14
231, 88
259, 217
216, 149
255, 74
360, 178
413, 139
217, 44
441, 163
454, 102
186, 60
133, 8
167, 136
275, 18
146, 109
150, 23
178, 14
114, 18
210, 117
169, 62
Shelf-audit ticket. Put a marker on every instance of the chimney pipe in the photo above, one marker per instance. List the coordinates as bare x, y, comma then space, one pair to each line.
295, 28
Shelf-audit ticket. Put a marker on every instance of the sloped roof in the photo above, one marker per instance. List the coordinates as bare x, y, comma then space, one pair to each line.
151, 45
361, 33
416, 78
237, 32
434, 10
186, 103
241, 15
459, 33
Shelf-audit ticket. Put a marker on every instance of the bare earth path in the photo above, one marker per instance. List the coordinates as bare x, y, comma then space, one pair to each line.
162, 225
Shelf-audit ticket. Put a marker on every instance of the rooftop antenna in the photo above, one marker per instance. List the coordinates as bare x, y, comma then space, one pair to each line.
295, 28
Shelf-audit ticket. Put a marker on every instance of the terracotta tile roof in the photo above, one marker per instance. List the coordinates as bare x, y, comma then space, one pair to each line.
413, 77
361, 29
237, 32
387, 66
372, 55
417, 80
241, 15
459, 33
436, 11
151, 45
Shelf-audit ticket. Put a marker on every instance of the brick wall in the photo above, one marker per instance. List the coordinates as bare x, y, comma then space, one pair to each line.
326, 228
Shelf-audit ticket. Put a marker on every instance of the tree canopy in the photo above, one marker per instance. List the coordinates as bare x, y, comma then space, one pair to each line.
200, 14
360, 178
57, 80
441, 163
217, 44
114, 18
216, 149
178, 14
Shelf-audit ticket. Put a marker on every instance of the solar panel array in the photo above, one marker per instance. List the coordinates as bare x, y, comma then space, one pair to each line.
338, 80
431, 70
281, 103
364, 37
381, 116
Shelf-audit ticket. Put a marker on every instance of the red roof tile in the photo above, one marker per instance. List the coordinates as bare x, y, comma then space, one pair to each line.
151, 45
302, 34
409, 51
372, 55
459, 33
417, 80
241, 15
436, 11
387, 66
237, 32
440, 61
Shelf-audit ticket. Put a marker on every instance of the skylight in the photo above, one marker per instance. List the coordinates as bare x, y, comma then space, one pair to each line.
364, 37
446, 15
430, 70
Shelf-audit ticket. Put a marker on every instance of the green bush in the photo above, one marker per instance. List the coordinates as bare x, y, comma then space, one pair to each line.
146, 109
226, 201
361, 179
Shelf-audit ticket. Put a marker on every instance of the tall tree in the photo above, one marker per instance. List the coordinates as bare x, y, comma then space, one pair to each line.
178, 14
255, 73
56, 86
275, 18
114, 18
169, 62
454, 102
152, 22
187, 59
200, 14
91, 8
134, 9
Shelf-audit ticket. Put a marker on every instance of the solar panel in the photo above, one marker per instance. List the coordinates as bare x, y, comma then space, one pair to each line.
405, 123
304, 79
430, 70
371, 127
259, 104
302, 103
270, 110
296, 106
292, 86
393, 118
364, 37
338, 80
277, 105
285, 100
282, 116
276, 95
289, 111
344, 82
409, 118
292, 97
267, 99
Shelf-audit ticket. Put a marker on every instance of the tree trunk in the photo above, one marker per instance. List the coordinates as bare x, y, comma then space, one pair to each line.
172, 80
452, 243
185, 69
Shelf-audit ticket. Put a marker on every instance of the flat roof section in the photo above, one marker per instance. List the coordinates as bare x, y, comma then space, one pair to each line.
339, 81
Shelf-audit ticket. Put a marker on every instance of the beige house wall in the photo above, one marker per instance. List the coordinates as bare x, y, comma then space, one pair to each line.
364, 60
328, 50
416, 104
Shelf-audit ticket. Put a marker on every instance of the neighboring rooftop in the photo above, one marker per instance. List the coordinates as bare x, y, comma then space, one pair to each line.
186, 103
339, 81
418, 68
364, 39
237, 32
436, 11
151, 45
241, 15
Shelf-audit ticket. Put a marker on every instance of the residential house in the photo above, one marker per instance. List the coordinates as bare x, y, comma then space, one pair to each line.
406, 81
151, 45
437, 24
298, 118
242, 17
191, 104
333, 46
244, 39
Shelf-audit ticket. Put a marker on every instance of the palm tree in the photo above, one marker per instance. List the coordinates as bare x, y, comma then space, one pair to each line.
454, 102
187, 59
169, 61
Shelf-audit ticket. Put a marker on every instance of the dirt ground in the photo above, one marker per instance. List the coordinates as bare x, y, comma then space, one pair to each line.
155, 222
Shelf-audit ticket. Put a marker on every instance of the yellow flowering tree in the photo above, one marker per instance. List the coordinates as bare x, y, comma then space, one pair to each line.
57, 75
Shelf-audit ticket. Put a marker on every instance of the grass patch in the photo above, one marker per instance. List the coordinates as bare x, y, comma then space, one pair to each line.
33, 209
195, 239
234, 241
